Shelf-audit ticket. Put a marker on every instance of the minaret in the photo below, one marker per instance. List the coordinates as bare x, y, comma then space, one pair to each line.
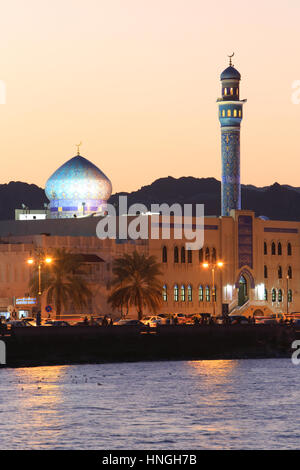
230, 117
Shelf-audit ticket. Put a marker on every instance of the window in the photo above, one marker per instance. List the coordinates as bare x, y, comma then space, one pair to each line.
200, 294
176, 254
289, 249
290, 272
273, 295
176, 293
279, 272
231, 91
190, 256
189, 293
165, 293
201, 255
279, 295
207, 257
213, 255
266, 295
290, 295
235, 113
228, 112
207, 294
183, 254
279, 249
236, 91
214, 293
164, 254
265, 248
265, 272
273, 249
225, 91
240, 113
182, 293
223, 113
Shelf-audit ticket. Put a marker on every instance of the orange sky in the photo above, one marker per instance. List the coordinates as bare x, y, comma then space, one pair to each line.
137, 80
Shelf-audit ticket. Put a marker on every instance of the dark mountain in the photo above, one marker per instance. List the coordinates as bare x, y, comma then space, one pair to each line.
278, 202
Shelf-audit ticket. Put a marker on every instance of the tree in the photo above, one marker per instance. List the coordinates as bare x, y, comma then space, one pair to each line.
61, 283
136, 283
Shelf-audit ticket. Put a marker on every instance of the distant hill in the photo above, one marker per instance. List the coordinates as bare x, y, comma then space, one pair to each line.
278, 202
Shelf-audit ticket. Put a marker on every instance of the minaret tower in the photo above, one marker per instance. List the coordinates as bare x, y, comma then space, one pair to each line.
230, 117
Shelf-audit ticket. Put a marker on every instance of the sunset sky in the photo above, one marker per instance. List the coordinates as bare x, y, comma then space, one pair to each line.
137, 80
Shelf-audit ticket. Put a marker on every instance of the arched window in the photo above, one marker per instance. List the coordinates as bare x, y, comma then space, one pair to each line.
273, 295
165, 293
290, 295
190, 256
223, 112
240, 113
234, 113
290, 272
228, 112
279, 295
207, 294
289, 249
279, 249
201, 255
164, 254
176, 254
225, 91
182, 293
214, 255
207, 257
265, 272
200, 294
189, 293
231, 91
176, 293
214, 293
266, 295
279, 272
265, 248
273, 249
236, 91
183, 254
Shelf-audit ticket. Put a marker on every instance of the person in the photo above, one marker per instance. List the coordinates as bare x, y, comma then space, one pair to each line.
105, 321
111, 322
38, 320
196, 321
175, 320
85, 321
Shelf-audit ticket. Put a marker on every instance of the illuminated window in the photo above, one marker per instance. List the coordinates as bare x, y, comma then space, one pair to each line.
189, 293
207, 294
240, 113
279, 295
182, 293
273, 295
290, 295
176, 254
225, 91
200, 294
223, 113
237, 91
231, 91
266, 294
176, 293
235, 113
164, 254
228, 112
165, 293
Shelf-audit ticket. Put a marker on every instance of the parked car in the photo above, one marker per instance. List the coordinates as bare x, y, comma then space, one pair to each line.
18, 323
154, 321
238, 320
56, 323
125, 322
181, 318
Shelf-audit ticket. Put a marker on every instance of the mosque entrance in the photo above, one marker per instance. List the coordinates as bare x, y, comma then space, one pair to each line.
243, 291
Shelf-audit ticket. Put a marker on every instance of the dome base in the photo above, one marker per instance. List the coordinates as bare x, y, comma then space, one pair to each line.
72, 208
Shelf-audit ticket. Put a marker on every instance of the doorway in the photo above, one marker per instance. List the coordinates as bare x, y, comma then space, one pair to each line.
243, 291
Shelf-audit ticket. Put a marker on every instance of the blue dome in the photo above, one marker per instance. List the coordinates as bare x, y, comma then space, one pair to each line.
229, 73
78, 178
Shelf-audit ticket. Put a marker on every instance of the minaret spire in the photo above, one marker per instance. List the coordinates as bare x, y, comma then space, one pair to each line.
230, 61
78, 145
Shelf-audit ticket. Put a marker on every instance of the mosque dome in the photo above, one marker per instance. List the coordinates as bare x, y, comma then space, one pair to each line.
77, 183
230, 73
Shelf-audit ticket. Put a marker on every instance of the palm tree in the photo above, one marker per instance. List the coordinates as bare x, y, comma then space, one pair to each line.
136, 283
61, 283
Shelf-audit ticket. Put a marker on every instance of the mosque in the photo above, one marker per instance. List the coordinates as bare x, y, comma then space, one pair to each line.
252, 263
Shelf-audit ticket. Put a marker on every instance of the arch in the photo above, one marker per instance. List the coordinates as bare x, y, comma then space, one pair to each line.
290, 295
246, 273
207, 254
201, 255
265, 248
274, 295
176, 293
273, 248
189, 256
165, 293
214, 255
289, 249
182, 293
200, 293
290, 272
279, 272
266, 294
279, 249
164, 254
265, 272
279, 295
189, 293
207, 293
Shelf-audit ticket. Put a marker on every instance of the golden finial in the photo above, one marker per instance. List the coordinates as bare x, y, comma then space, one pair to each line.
230, 61
78, 145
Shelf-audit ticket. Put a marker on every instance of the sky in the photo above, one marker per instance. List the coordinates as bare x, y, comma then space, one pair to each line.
137, 80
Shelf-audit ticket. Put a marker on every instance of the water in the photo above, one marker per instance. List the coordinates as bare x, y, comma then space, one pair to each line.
232, 404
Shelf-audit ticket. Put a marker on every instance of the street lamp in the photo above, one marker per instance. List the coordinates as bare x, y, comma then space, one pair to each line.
40, 260
287, 294
213, 266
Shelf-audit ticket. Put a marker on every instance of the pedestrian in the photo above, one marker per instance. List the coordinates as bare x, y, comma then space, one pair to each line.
105, 321
111, 322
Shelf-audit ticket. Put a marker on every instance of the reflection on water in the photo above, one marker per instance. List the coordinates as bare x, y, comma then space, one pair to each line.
159, 405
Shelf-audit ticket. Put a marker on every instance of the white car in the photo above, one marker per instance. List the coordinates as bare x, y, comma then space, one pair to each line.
154, 321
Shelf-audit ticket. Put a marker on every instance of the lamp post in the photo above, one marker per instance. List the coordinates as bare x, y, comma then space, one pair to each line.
287, 294
39, 259
213, 266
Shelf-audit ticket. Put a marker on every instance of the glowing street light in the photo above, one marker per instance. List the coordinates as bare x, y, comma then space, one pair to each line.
213, 266
40, 259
